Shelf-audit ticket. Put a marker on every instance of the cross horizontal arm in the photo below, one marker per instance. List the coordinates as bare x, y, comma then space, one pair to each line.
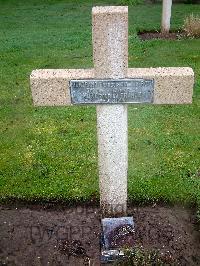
173, 85
50, 87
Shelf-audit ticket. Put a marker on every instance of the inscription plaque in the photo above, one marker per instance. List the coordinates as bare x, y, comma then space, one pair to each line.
108, 91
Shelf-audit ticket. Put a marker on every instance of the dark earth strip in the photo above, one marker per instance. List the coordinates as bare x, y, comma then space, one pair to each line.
36, 235
152, 35
158, 35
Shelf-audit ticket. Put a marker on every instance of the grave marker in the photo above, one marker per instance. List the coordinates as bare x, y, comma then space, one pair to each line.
53, 87
166, 16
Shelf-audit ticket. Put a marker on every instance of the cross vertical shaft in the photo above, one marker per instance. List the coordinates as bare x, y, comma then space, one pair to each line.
110, 53
166, 16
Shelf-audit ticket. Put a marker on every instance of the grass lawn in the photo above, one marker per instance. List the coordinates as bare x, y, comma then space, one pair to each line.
51, 153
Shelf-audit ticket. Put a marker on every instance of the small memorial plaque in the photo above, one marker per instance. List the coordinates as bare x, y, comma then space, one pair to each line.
108, 91
118, 234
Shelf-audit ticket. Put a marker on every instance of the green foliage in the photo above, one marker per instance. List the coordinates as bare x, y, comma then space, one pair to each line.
130, 2
190, 1
141, 257
192, 26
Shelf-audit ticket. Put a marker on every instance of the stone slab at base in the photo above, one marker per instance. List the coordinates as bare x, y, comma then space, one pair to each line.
173, 85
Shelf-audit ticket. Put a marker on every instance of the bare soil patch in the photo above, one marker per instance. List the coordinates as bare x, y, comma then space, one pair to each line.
54, 235
158, 35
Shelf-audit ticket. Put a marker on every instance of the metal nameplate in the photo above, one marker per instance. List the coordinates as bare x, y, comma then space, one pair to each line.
109, 91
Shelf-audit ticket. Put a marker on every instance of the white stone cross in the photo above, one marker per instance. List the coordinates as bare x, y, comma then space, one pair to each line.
166, 16
50, 87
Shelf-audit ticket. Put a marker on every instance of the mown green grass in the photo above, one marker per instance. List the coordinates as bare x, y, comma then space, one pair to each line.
51, 153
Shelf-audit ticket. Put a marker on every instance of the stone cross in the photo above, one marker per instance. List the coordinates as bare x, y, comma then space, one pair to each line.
51, 87
166, 16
